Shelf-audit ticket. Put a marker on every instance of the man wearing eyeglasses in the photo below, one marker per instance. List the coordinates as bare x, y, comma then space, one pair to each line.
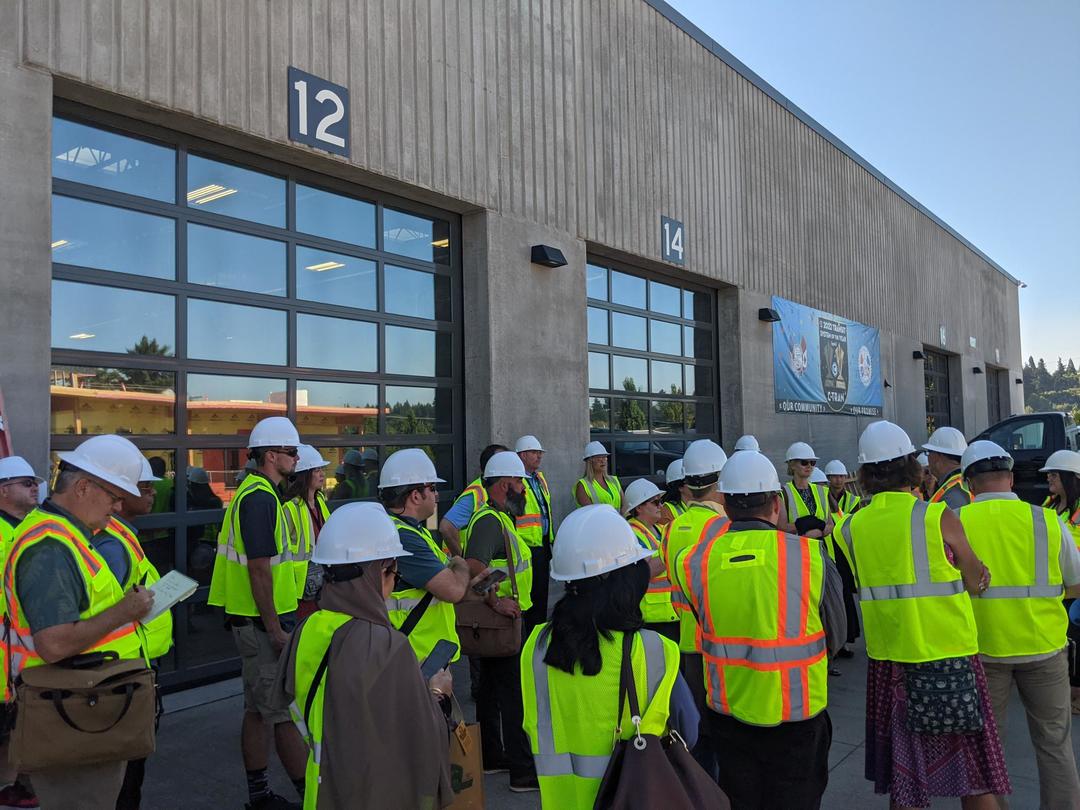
18, 498
253, 581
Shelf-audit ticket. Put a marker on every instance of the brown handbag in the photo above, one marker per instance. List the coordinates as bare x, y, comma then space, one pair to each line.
648, 771
481, 630
92, 708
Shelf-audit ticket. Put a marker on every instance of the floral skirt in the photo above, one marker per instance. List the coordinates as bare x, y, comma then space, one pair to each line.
912, 767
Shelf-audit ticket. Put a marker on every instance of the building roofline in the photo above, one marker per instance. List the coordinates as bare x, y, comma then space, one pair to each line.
679, 20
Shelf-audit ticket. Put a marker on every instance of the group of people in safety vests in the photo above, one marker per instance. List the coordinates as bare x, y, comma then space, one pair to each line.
729, 595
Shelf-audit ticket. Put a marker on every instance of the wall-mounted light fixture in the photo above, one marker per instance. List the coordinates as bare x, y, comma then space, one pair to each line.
976, 370
918, 355
768, 315
1019, 381
548, 256
888, 384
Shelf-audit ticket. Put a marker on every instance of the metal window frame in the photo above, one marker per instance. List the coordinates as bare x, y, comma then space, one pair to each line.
180, 441
611, 436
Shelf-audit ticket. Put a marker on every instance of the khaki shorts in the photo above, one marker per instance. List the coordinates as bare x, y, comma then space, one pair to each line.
259, 666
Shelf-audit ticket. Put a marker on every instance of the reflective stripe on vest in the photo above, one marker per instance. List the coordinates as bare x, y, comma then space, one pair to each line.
658, 603
551, 763
793, 650
1042, 587
688, 533
796, 506
952, 482
530, 525
301, 536
157, 634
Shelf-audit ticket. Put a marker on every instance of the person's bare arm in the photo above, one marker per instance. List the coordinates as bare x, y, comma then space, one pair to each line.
580, 496
451, 536
262, 589
65, 640
976, 575
452, 583
656, 566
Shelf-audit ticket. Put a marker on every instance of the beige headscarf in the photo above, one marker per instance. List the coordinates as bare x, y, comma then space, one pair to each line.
385, 740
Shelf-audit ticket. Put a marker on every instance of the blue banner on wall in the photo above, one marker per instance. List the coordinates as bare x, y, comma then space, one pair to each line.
823, 363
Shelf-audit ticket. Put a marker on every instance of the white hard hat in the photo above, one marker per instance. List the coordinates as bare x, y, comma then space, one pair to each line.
1059, 461
147, 473
995, 456
923, 459
703, 457
504, 464
407, 467
674, 472
835, 467
527, 443
747, 442
799, 451
18, 467
594, 449
273, 431
356, 533
947, 440
594, 540
817, 476
197, 475
748, 472
111, 458
638, 492
309, 459
883, 441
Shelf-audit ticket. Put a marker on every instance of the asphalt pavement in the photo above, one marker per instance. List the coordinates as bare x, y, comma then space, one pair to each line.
197, 764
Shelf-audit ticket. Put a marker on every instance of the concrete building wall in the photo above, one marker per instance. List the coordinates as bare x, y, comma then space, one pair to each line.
577, 121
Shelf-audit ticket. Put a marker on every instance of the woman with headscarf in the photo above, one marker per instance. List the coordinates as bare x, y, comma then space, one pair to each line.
305, 510
377, 732
570, 667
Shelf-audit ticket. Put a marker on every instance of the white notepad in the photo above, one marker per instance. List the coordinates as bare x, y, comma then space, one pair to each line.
172, 588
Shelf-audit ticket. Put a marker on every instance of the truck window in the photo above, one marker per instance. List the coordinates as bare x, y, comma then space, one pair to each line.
1025, 434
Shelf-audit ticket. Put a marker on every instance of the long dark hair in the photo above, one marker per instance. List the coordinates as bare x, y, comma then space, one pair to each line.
297, 486
672, 492
592, 608
1070, 482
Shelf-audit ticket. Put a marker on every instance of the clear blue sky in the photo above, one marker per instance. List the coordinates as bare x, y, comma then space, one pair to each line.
972, 107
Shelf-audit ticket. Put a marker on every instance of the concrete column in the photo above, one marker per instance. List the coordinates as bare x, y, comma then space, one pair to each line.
526, 366
25, 269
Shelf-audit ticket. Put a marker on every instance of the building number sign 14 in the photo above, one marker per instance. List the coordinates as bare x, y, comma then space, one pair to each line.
672, 234
318, 112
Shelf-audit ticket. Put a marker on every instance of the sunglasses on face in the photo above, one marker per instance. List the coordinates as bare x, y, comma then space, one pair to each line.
286, 451
656, 501
29, 483
807, 462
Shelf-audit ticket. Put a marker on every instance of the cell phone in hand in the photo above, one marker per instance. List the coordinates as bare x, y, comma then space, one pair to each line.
490, 581
438, 658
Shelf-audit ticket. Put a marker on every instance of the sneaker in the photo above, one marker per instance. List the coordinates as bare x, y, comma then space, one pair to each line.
845, 653
496, 768
524, 784
272, 801
834, 672
17, 797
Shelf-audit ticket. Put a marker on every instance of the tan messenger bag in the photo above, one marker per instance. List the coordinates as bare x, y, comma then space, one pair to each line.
88, 709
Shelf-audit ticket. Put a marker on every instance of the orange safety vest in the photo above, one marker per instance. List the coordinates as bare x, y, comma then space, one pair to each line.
660, 593
952, 482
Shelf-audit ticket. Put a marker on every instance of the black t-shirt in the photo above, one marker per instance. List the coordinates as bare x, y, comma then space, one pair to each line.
258, 517
486, 542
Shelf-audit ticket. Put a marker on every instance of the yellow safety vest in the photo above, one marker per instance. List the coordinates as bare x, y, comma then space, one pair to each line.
158, 632
656, 605
570, 719
914, 605
672, 509
703, 519
1072, 521
521, 553
316, 633
610, 492
301, 535
476, 493
953, 491
530, 526
1020, 613
757, 595
230, 584
102, 590
7, 538
796, 506
438, 621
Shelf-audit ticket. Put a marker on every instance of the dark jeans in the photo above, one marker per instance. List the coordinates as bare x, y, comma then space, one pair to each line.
784, 767
499, 712
541, 565
848, 579
131, 790
706, 752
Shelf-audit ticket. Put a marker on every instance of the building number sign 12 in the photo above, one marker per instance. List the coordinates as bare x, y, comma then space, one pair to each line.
318, 112
672, 236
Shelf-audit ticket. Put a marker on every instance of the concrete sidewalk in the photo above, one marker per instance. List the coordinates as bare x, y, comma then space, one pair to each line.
197, 764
